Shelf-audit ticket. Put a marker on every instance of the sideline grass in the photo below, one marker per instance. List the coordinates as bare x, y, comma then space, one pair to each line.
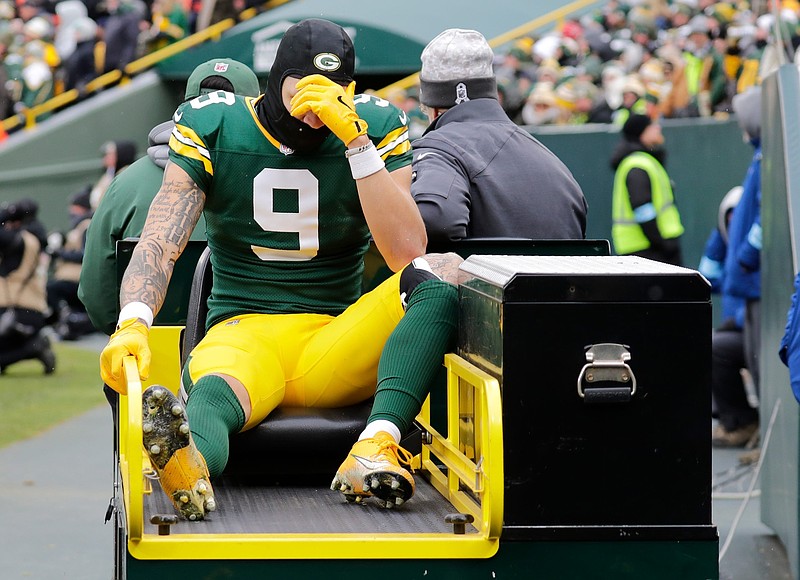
32, 402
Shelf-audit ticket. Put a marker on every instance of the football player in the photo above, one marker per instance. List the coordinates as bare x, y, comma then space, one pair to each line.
292, 185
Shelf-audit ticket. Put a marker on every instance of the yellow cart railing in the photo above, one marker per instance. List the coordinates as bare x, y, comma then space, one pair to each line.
466, 467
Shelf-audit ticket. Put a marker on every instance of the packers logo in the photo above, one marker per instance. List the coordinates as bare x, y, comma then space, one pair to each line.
327, 61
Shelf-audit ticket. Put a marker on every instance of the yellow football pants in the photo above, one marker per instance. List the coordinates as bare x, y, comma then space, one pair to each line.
303, 360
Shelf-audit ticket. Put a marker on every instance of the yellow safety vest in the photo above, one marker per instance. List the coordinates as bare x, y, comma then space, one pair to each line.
626, 233
694, 69
622, 115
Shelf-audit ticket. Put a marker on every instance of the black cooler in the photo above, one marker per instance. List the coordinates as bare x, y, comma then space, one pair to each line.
604, 365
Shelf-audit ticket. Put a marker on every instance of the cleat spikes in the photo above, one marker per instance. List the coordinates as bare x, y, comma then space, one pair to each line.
359, 498
377, 467
399, 501
181, 470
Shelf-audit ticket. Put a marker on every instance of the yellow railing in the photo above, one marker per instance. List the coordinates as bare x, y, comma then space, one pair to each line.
29, 117
472, 452
131, 463
134, 464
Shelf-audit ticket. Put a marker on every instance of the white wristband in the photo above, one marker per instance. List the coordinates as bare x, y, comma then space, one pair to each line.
366, 162
136, 310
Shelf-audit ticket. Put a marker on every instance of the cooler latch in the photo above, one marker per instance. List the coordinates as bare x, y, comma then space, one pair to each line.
605, 370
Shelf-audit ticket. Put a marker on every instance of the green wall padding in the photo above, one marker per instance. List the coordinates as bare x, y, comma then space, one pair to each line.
62, 154
780, 202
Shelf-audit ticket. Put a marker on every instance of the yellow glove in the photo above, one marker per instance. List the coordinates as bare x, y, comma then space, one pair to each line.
129, 339
332, 103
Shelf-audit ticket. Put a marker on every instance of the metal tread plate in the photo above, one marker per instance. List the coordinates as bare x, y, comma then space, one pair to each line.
256, 509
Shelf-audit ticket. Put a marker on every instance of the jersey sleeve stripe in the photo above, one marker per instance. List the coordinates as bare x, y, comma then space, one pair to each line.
395, 143
184, 141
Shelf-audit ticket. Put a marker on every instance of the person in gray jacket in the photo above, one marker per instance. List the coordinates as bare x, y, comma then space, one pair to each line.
476, 173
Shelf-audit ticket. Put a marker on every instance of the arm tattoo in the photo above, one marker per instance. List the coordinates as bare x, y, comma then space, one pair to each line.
170, 221
445, 265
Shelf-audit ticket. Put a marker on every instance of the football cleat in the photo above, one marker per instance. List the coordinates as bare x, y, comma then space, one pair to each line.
374, 468
168, 442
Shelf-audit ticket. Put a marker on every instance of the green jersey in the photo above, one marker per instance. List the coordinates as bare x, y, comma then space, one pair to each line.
286, 231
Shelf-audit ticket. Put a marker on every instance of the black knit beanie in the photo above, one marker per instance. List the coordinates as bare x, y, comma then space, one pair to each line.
635, 126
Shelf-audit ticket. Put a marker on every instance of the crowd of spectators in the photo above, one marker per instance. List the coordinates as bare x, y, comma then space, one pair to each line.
668, 58
661, 58
48, 47
51, 46
679, 58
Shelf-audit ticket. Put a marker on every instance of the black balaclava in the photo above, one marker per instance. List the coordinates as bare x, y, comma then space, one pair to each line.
312, 46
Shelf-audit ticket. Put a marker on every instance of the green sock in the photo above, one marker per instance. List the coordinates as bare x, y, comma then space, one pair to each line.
415, 351
214, 414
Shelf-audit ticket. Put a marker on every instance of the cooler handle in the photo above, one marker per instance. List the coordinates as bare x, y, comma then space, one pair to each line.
607, 362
